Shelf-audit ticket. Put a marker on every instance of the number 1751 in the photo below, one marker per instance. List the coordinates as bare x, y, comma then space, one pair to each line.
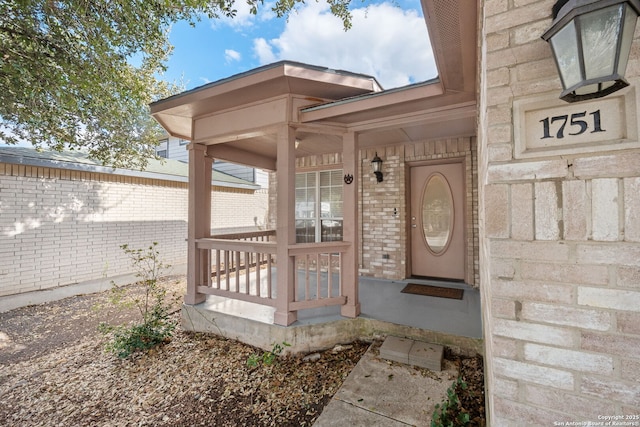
575, 121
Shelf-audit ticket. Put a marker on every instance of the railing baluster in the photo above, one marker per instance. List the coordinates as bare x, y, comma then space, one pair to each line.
340, 273
247, 272
307, 276
296, 280
237, 269
269, 274
329, 278
217, 268
226, 270
209, 259
318, 275
257, 256
201, 254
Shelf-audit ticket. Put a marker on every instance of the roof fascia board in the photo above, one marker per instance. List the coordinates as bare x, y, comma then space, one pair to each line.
371, 101
331, 76
449, 112
219, 87
283, 69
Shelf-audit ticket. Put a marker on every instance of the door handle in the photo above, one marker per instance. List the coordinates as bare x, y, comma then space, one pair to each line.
413, 226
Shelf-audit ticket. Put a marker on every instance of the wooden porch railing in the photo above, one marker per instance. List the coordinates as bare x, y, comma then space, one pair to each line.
318, 274
239, 266
243, 266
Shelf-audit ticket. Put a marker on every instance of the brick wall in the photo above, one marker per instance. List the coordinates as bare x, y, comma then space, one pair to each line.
237, 209
385, 234
560, 260
59, 227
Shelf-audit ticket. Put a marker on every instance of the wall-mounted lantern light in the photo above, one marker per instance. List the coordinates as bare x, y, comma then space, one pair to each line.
376, 165
591, 40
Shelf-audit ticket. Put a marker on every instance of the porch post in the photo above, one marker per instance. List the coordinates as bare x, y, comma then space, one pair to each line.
349, 268
285, 225
199, 218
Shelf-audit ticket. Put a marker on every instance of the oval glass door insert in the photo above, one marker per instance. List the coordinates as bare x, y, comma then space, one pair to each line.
437, 213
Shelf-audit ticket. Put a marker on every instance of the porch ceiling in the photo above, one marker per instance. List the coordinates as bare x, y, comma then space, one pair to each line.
413, 113
445, 116
429, 120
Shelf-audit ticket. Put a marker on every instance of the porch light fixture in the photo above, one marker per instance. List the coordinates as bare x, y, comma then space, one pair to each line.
591, 40
376, 165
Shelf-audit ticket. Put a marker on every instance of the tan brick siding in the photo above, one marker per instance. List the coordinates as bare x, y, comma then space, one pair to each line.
561, 259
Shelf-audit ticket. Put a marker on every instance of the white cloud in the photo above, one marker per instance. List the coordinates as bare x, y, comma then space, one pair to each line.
264, 51
232, 55
265, 12
384, 41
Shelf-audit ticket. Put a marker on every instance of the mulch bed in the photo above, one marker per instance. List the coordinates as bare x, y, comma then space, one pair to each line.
54, 371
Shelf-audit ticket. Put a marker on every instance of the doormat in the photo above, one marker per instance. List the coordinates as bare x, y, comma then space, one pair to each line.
433, 291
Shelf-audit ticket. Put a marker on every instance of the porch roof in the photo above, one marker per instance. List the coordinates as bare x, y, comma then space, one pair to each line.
238, 116
177, 113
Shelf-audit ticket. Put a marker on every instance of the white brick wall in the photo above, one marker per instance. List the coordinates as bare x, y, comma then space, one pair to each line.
59, 227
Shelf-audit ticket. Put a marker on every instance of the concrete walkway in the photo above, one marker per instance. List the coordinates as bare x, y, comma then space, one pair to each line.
381, 393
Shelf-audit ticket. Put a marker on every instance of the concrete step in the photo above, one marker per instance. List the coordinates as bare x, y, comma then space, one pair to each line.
411, 352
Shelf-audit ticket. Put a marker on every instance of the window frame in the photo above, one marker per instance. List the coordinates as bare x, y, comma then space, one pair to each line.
318, 217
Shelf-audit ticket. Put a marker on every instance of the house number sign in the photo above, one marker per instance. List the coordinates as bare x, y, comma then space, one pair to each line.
547, 127
573, 125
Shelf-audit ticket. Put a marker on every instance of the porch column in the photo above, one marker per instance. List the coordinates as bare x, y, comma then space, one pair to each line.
349, 269
285, 225
199, 218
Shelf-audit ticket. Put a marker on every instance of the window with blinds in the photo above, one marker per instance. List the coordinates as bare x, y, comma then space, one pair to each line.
319, 206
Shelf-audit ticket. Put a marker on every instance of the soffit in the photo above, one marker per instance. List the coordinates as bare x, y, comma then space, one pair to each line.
452, 26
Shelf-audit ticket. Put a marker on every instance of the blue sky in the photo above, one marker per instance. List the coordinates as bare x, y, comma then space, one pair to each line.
388, 40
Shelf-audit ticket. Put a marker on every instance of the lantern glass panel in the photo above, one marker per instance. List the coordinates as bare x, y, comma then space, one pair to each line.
565, 46
630, 18
600, 30
593, 88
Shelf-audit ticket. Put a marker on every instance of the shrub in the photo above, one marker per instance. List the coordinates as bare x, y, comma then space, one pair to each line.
268, 357
156, 326
450, 413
